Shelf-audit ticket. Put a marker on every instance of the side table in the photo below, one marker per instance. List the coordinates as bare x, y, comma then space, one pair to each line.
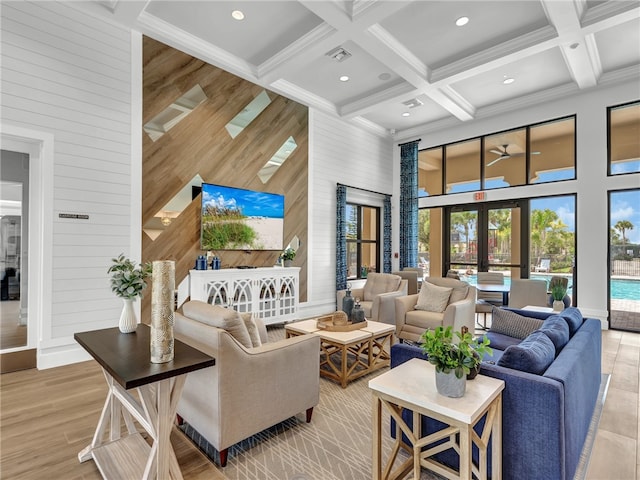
126, 363
483, 396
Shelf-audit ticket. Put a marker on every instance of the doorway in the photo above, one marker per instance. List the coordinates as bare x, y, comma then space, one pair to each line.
487, 237
14, 241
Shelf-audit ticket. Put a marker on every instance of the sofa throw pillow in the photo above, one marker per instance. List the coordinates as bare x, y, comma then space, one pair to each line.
533, 355
459, 293
219, 317
573, 317
433, 298
512, 324
557, 330
252, 328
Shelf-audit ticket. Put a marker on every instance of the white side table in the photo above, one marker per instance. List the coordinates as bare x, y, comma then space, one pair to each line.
412, 386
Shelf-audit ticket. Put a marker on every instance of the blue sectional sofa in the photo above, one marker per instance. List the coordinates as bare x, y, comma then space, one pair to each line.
546, 415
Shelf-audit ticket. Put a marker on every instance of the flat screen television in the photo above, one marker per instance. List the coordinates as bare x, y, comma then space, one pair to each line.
239, 219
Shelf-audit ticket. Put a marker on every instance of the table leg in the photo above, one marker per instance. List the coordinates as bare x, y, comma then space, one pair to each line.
465, 452
496, 442
377, 441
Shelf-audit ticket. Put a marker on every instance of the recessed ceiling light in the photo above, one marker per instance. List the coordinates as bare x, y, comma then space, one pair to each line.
508, 80
237, 14
344, 78
405, 114
462, 21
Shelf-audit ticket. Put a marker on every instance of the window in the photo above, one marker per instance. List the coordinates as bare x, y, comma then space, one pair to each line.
363, 245
624, 260
505, 163
430, 172
553, 151
540, 153
552, 231
462, 166
624, 139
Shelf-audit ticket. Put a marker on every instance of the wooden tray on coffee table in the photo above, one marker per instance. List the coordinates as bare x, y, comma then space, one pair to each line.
326, 323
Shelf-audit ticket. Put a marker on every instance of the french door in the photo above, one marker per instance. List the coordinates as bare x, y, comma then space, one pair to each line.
487, 237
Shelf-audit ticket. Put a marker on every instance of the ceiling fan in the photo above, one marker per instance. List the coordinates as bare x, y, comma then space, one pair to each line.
503, 154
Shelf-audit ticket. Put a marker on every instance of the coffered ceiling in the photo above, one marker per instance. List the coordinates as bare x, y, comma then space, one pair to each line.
409, 67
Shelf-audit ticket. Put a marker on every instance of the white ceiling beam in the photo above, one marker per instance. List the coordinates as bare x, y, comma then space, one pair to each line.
565, 17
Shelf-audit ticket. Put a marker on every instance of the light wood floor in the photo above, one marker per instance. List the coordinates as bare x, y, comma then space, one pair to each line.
48, 416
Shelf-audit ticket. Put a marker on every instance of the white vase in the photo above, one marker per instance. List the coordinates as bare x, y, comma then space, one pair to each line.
449, 385
558, 305
128, 320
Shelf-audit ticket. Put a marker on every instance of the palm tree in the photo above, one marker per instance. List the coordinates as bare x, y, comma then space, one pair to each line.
622, 226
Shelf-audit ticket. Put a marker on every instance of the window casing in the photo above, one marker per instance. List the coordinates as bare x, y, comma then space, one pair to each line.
363, 240
623, 128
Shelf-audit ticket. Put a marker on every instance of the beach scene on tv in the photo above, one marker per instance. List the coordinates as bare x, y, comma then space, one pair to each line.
238, 219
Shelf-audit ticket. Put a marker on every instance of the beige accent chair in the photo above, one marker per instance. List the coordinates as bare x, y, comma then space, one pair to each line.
525, 292
377, 295
411, 276
248, 389
411, 323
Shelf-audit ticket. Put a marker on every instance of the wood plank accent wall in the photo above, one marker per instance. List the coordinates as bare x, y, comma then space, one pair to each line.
200, 144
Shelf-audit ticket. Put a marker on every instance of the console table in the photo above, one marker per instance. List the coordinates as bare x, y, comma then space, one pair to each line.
126, 363
268, 293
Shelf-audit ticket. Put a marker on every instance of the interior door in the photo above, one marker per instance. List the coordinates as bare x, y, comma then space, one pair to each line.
487, 237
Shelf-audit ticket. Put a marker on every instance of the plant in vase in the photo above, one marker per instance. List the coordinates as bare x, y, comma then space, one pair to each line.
558, 292
287, 256
128, 282
454, 357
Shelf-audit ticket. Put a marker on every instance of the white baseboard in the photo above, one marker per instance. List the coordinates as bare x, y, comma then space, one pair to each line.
601, 315
60, 356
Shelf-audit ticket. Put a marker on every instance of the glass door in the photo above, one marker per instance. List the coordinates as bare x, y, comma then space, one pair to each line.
486, 237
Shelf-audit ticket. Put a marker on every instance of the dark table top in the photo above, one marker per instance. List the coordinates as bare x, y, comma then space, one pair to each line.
127, 356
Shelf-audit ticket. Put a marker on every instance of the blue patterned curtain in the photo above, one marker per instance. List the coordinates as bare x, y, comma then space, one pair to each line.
341, 238
386, 246
409, 204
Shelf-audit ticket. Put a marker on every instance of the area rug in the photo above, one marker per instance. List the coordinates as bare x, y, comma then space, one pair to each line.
336, 445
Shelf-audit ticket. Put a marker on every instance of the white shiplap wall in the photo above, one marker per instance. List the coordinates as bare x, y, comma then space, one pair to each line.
69, 74
339, 152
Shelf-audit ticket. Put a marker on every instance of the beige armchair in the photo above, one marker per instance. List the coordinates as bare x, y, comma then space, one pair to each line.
377, 295
458, 309
249, 388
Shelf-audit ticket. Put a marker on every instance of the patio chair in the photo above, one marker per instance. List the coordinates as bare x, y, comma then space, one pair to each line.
544, 265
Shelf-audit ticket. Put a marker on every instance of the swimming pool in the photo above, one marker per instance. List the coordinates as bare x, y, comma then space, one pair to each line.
621, 289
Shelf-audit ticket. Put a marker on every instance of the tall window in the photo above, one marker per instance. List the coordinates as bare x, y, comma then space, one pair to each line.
624, 260
624, 139
553, 239
363, 244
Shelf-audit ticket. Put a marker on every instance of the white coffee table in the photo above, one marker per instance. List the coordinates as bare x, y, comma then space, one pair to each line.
412, 386
346, 356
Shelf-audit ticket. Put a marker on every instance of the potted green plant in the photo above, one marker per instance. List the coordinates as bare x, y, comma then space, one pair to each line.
558, 292
127, 282
455, 355
287, 256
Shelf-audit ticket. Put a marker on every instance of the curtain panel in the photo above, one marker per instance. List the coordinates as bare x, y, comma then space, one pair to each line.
409, 204
341, 238
386, 246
